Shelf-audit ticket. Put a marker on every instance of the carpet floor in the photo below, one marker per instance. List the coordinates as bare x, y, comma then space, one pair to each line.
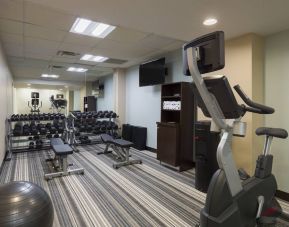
145, 194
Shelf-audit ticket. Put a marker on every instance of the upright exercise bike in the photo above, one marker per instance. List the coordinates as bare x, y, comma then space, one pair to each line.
231, 202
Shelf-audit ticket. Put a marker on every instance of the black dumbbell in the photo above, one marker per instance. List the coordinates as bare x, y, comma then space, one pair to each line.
39, 144
18, 129
52, 130
56, 136
31, 145
49, 136
26, 130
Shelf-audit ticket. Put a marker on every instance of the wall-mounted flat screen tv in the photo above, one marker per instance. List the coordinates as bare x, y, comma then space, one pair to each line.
153, 72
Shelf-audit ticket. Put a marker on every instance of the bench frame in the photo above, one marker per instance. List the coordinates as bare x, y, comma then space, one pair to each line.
60, 162
122, 154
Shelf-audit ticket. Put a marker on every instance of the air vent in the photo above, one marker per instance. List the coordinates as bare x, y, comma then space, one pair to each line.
115, 61
64, 53
56, 67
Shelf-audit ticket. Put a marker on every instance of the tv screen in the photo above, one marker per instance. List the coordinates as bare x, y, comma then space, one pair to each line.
151, 73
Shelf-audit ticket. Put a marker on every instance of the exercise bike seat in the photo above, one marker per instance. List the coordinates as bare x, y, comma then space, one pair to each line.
275, 132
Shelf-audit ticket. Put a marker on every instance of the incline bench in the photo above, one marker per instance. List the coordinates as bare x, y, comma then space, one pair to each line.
61, 151
121, 148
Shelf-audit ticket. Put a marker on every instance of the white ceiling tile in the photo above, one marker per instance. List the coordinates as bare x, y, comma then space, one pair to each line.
41, 56
90, 63
77, 39
112, 45
174, 45
11, 38
111, 53
124, 35
40, 46
36, 31
64, 60
48, 17
10, 26
11, 9
11, 49
155, 41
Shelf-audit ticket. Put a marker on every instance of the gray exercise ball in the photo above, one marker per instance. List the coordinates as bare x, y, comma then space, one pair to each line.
25, 204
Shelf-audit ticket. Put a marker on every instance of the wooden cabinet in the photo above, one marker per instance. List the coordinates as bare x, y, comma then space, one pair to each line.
175, 131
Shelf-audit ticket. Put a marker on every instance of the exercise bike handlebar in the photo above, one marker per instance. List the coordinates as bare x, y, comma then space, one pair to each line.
253, 106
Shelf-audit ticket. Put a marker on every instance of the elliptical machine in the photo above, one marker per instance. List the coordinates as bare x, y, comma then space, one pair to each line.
230, 202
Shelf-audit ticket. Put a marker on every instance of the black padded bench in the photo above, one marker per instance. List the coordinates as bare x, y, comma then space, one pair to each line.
61, 151
121, 148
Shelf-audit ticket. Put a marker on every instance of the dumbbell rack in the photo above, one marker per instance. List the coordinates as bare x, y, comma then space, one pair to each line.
20, 143
93, 136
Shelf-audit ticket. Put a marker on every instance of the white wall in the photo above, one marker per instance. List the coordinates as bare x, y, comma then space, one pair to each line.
277, 96
6, 100
106, 102
23, 95
143, 104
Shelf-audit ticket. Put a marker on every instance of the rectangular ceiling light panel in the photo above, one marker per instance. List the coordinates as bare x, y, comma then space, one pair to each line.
89, 57
73, 69
91, 28
49, 76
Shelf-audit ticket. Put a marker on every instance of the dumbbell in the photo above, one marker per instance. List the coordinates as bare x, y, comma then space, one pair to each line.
31, 145
33, 130
46, 116
49, 136
26, 117
36, 117
62, 116
31, 117
56, 136
82, 128
36, 137
18, 129
100, 114
108, 114
42, 131
60, 129
26, 130
114, 126
51, 117
89, 128
39, 144
113, 115
52, 130
41, 117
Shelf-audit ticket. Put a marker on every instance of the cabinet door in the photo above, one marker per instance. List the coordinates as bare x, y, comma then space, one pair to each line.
168, 143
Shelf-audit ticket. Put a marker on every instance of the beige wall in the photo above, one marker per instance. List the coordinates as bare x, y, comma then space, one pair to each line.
6, 100
23, 95
277, 96
244, 66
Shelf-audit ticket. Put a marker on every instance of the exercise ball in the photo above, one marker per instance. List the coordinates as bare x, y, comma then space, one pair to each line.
25, 204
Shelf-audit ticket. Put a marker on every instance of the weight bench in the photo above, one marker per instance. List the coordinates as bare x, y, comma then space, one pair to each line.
121, 148
61, 151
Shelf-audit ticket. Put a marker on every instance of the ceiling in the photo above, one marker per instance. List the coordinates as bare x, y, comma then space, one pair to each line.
32, 35
32, 31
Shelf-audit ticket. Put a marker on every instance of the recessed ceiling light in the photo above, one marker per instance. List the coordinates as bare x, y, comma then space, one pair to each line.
28, 84
210, 21
60, 89
49, 76
91, 28
89, 57
73, 69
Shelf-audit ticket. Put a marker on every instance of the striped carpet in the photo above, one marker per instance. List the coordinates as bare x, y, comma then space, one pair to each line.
140, 195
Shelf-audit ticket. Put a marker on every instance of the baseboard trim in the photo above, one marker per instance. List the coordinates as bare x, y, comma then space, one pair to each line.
151, 149
282, 195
